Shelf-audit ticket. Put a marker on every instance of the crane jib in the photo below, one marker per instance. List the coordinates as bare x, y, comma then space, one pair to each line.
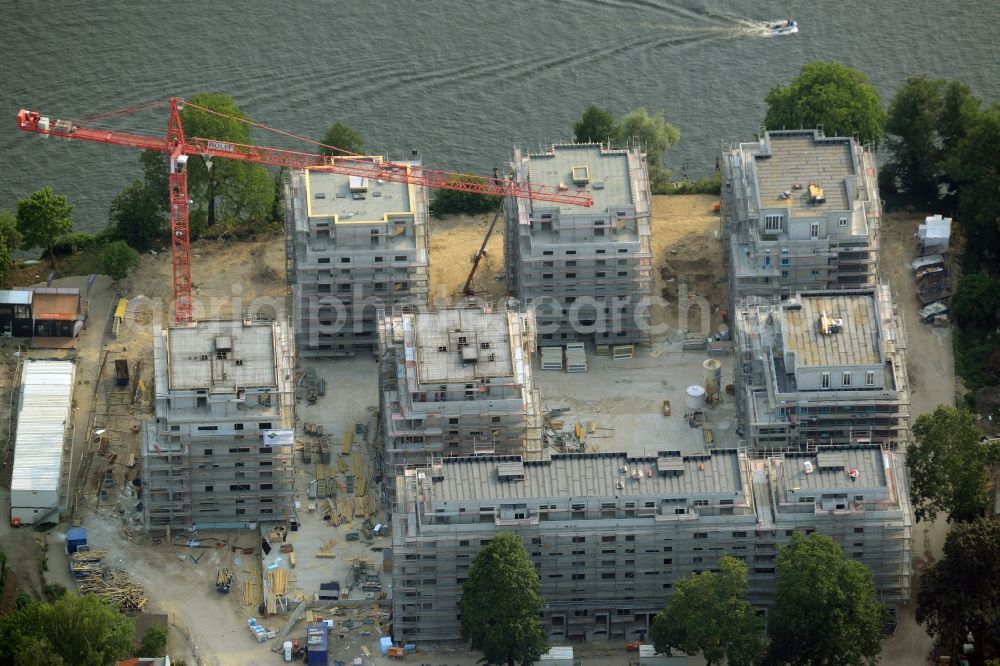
219, 145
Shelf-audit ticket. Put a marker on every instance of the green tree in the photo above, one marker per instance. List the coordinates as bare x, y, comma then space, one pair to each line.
825, 609
595, 126
708, 613
42, 218
243, 191
6, 263
154, 641
9, 231
948, 466
118, 260
926, 121
838, 98
447, 202
958, 593
340, 139
137, 217
655, 135
976, 302
500, 604
76, 629
974, 170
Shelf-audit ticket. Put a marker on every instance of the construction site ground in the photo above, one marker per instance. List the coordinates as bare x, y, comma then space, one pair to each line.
619, 405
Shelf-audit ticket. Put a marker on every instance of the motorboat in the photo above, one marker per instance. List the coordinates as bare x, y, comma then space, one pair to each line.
788, 27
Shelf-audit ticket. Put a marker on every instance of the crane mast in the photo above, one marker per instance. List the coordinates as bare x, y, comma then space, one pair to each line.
179, 148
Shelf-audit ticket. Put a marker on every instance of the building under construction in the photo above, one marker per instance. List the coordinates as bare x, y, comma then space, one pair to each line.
822, 368
354, 246
800, 211
219, 454
610, 535
458, 382
587, 272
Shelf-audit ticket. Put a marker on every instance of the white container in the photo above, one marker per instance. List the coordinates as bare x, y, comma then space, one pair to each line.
695, 397
286, 650
711, 373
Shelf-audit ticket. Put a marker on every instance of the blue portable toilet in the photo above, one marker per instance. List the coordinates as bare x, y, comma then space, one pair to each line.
316, 644
75, 538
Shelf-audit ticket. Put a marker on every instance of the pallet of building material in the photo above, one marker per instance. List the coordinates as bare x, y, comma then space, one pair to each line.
623, 352
575, 357
345, 446
552, 358
602, 350
694, 342
341, 465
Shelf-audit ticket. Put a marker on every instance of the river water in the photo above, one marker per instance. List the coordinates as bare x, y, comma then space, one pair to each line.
462, 81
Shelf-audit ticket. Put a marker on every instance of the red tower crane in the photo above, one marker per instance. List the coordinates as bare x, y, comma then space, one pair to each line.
179, 147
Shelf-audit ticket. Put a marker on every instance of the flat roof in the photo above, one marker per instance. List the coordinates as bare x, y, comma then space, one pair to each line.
329, 195
590, 475
221, 355
803, 158
56, 306
857, 342
611, 184
462, 345
831, 471
15, 297
43, 413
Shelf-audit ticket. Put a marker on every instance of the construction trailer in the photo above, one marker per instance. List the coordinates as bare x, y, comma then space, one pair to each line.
15, 313
822, 368
586, 272
353, 246
43, 442
611, 534
457, 382
219, 454
780, 238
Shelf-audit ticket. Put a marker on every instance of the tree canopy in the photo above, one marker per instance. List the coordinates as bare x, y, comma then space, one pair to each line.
8, 230
708, 613
825, 609
655, 135
42, 218
75, 629
975, 173
447, 202
595, 126
118, 260
948, 465
976, 302
340, 139
137, 216
958, 593
500, 604
927, 119
839, 98
154, 641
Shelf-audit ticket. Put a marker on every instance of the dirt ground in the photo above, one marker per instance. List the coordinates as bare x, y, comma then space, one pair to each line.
685, 247
230, 276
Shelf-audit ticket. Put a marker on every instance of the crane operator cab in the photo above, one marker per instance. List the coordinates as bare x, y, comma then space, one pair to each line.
177, 166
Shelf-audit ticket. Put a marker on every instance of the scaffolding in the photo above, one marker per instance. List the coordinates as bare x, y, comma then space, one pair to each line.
789, 400
220, 452
458, 382
778, 242
349, 253
586, 272
611, 534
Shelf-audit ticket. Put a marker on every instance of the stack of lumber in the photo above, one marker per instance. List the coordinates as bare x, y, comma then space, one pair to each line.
622, 352
278, 579
364, 507
251, 596
326, 550
116, 587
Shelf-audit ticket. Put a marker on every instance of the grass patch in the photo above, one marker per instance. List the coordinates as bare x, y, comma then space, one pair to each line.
710, 185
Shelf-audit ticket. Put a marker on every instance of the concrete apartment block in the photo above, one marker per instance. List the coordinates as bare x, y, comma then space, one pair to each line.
457, 382
822, 368
611, 534
784, 236
219, 454
585, 271
353, 246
